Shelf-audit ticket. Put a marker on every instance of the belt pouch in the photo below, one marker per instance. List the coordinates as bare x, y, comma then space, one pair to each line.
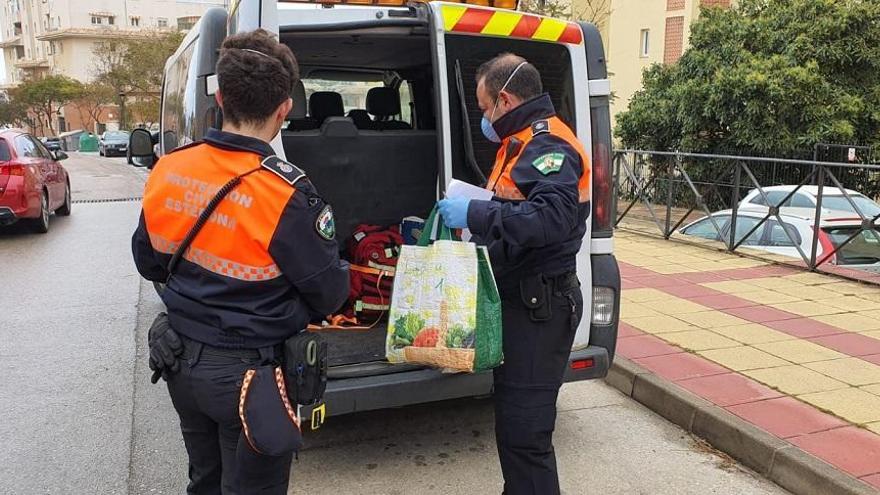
305, 365
269, 422
535, 294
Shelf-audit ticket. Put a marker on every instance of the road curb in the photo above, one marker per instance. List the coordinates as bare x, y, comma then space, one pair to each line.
774, 458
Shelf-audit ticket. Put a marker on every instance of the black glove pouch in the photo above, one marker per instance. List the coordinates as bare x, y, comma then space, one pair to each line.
305, 365
535, 293
269, 422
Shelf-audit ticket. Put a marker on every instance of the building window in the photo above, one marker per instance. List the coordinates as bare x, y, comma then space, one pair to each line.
674, 42
19, 52
162, 22
51, 50
644, 44
186, 23
135, 21
97, 21
674, 5
111, 20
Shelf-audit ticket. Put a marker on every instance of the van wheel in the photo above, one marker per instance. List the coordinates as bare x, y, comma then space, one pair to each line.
41, 224
64, 210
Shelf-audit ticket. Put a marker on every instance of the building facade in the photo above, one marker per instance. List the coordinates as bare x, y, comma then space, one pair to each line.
58, 37
639, 33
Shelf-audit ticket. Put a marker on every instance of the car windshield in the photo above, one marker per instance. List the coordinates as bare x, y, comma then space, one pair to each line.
868, 207
116, 135
863, 249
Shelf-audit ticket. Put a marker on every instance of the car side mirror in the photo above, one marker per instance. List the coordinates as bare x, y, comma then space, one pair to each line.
140, 143
59, 155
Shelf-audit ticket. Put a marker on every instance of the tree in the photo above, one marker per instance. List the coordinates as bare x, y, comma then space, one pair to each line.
46, 95
13, 113
549, 8
593, 11
767, 78
91, 101
135, 66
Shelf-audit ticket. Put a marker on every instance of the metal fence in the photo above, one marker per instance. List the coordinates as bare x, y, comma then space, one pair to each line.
670, 190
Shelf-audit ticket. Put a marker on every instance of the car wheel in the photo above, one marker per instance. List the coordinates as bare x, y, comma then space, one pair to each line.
41, 224
64, 210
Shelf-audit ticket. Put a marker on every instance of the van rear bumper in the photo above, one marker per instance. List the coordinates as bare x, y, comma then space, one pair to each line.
348, 395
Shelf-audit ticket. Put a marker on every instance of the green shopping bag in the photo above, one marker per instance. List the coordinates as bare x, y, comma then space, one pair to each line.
445, 308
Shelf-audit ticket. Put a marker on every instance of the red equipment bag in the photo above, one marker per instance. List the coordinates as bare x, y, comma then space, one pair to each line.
374, 251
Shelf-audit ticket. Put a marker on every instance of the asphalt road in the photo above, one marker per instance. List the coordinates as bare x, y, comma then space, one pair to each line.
79, 415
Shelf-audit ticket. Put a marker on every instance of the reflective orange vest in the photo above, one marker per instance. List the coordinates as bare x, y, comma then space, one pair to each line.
235, 241
500, 181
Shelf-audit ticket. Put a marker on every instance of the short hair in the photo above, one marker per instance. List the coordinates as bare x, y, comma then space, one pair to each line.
255, 73
526, 84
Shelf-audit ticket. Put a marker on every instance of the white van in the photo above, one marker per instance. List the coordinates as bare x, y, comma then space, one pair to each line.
380, 156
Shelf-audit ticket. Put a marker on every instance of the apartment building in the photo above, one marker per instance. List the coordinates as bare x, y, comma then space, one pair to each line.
639, 33
41, 37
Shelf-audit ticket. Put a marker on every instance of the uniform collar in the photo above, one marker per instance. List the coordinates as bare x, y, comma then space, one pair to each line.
522, 116
237, 142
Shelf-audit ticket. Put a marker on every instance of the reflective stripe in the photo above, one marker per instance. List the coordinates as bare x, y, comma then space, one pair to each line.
216, 264
507, 23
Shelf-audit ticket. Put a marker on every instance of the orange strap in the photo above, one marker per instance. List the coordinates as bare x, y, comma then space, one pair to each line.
337, 322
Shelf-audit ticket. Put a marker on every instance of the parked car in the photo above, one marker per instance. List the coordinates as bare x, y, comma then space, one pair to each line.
835, 227
805, 199
33, 184
52, 143
113, 143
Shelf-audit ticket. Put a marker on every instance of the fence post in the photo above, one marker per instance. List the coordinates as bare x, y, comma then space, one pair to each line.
670, 176
820, 182
734, 206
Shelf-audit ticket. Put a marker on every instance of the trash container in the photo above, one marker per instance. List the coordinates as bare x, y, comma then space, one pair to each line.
88, 142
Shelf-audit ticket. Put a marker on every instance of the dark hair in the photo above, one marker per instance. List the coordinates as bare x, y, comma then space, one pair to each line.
256, 73
526, 84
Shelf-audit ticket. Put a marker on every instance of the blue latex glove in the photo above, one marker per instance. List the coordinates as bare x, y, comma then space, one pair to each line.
454, 212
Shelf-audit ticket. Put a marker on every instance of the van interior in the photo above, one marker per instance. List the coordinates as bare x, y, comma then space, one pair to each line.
363, 129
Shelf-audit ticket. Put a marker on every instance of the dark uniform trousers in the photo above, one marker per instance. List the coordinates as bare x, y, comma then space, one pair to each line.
205, 394
527, 385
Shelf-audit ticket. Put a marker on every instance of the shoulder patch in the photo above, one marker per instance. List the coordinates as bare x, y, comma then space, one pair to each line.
549, 163
287, 171
540, 126
325, 225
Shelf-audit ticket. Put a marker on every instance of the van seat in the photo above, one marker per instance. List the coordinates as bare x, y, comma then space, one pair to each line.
376, 177
384, 102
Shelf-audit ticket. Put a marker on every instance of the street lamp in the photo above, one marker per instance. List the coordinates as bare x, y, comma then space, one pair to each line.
121, 110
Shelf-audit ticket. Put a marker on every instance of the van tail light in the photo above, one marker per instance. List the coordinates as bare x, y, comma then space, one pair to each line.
602, 175
827, 247
9, 169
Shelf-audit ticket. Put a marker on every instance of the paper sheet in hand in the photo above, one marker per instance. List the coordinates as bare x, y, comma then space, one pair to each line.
460, 189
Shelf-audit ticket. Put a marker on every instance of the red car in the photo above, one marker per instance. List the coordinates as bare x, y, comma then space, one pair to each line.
32, 182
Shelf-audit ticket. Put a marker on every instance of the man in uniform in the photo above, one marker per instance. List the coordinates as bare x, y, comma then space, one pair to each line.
533, 228
265, 263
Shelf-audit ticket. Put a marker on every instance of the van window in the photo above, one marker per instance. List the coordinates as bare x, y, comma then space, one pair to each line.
178, 105
354, 93
552, 60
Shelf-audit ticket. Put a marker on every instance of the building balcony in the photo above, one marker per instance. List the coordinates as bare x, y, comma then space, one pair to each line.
31, 63
104, 32
11, 42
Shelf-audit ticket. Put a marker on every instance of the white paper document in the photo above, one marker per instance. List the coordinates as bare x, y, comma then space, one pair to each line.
459, 189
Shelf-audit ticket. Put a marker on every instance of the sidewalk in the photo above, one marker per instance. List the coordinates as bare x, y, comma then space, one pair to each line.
797, 354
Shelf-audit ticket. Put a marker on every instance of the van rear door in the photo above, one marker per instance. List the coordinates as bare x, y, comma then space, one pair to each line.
467, 36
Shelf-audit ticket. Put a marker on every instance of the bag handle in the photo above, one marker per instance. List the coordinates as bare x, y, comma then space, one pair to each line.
432, 224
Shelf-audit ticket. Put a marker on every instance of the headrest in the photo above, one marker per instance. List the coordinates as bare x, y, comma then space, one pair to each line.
299, 102
383, 102
339, 127
323, 104
361, 118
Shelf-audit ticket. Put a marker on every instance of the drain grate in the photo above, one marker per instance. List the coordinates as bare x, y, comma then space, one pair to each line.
110, 200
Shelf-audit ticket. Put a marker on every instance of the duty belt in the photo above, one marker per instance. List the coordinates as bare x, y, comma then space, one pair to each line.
192, 348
